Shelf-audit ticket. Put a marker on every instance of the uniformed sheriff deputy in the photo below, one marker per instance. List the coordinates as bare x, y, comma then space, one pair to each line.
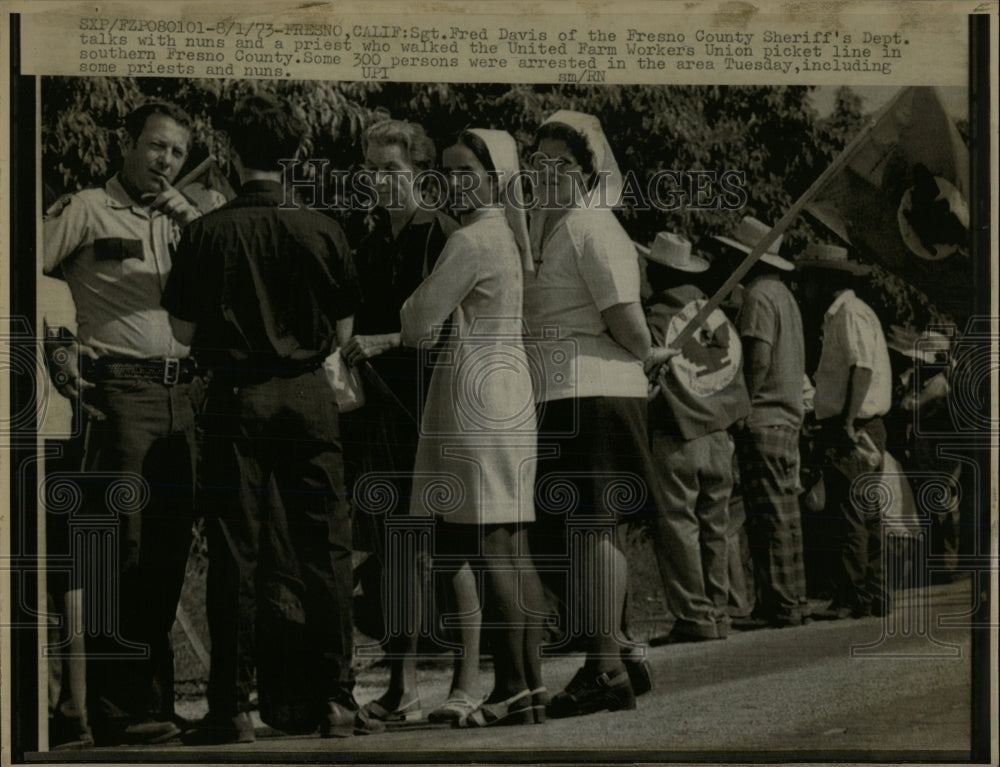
133, 380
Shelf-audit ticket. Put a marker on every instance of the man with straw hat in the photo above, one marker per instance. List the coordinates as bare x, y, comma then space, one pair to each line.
701, 394
770, 328
853, 394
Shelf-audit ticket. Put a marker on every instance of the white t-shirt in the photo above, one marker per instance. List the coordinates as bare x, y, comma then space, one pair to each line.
588, 264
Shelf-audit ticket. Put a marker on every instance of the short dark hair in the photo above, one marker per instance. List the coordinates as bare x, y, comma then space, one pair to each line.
264, 131
761, 268
477, 146
576, 142
830, 281
135, 121
662, 277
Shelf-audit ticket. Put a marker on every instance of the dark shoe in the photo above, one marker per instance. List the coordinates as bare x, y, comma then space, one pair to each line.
214, 730
833, 613
150, 732
180, 721
750, 623
679, 636
787, 620
760, 619
516, 709
588, 693
344, 717
640, 673
409, 712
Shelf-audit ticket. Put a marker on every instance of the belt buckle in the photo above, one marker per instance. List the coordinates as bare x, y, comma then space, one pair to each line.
171, 371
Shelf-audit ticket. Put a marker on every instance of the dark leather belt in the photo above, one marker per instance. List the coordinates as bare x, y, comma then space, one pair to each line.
168, 371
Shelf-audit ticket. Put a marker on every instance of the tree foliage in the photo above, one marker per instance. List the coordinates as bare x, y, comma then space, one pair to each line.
772, 134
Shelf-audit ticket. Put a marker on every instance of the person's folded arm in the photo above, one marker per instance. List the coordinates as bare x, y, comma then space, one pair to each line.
627, 325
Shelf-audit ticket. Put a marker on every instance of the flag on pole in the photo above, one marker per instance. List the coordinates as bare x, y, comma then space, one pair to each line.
907, 163
902, 198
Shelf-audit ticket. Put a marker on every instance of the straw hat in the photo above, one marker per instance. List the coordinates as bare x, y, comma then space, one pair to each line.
674, 251
748, 233
823, 256
929, 346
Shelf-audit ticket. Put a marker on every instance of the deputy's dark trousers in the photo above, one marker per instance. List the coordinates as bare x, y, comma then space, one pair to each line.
139, 475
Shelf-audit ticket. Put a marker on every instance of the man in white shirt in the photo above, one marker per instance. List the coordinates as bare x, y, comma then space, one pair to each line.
853, 394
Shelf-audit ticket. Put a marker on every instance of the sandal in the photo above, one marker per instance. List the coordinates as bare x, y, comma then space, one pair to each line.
515, 710
539, 700
411, 712
454, 710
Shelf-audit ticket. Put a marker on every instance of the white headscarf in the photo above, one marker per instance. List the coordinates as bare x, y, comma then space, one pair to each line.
506, 161
609, 176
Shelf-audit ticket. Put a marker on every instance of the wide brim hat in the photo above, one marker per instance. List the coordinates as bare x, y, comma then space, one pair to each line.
748, 233
674, 251
824, 256
929, 346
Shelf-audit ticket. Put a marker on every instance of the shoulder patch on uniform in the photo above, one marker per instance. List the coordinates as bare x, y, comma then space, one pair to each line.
59, 206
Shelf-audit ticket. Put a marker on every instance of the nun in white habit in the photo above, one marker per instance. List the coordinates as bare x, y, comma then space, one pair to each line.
589, 339
475, 465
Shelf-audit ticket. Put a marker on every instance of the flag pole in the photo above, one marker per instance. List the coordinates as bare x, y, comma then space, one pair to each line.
195, 172
776, 231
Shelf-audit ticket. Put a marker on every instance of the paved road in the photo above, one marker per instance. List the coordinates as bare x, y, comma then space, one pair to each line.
867, 689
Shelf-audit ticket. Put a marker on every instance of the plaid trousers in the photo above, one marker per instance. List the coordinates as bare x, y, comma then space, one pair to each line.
769, 471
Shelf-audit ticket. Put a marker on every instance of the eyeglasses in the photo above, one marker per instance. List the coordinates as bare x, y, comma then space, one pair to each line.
561, 165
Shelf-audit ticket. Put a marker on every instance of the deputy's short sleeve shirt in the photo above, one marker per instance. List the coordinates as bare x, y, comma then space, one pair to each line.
115, 255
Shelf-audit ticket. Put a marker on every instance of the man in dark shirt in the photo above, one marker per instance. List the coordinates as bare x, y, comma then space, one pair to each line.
266, 293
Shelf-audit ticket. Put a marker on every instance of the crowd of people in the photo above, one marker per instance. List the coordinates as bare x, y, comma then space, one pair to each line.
531, 383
